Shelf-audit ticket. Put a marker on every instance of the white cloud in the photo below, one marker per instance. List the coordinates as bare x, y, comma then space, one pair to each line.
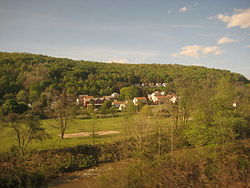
196, 51
212, 50
247, 46
183, 9
240, 18
225, 40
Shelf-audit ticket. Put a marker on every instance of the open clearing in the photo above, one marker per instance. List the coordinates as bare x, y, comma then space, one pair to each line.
83, 134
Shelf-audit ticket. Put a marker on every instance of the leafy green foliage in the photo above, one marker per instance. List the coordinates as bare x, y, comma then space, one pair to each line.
28, 76
26, 129
130, 92
12, 106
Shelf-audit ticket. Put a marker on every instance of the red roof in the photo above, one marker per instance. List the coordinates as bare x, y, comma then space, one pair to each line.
162, 97
88, 97
118, 102
141, 98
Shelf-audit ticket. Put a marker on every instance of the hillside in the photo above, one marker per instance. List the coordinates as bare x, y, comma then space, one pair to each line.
34, 74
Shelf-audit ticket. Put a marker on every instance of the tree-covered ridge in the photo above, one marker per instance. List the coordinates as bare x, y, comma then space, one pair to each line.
28, 75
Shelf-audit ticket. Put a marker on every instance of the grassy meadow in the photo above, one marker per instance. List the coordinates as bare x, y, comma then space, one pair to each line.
8, 139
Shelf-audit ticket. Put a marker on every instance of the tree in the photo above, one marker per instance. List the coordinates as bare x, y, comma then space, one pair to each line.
12, 106
106, 106
26, 129
22, 96
130, 107
63, 113
130, 92
93, 127
215, 122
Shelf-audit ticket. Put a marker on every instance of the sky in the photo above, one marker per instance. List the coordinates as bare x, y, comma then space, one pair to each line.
210, 33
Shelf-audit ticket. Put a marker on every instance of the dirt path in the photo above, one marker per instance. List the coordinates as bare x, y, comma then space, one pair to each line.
83, 134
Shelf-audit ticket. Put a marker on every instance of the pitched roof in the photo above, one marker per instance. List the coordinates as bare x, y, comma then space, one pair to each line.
141, 98
119, 102
88, 96
162, 97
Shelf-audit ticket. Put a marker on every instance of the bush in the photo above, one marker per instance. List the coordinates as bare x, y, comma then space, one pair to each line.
22, 178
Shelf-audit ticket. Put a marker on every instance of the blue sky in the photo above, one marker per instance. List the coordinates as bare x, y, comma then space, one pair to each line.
214, 33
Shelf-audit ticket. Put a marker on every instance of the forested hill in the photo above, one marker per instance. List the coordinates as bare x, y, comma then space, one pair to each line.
23, 73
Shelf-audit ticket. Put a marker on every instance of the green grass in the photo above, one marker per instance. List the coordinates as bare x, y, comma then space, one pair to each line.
7, 138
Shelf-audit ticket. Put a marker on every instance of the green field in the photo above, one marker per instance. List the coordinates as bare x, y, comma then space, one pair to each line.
7, 138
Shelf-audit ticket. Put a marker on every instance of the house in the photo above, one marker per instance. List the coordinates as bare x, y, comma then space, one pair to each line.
79, 100
151, 84
153, 97
119, 104
164, 84
160, 98
108, 97
114, 95
84, 100
172, 98
97, 102
138, 100
158, 84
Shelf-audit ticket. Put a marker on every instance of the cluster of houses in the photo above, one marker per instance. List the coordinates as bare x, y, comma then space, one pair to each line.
152, 84
155, 98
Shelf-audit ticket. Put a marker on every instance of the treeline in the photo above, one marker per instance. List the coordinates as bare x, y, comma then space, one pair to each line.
28, 78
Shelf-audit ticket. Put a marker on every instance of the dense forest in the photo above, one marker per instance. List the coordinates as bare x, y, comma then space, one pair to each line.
28, 76
184, 144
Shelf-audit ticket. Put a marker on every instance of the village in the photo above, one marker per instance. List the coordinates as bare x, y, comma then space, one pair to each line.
155, 98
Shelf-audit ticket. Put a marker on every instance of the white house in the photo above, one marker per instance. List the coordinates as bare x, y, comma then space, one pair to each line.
164, 84
173, 98
154, 96
119, 104
114, 95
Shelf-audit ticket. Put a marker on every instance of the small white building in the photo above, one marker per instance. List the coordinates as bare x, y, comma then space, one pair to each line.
114, 95
164, 84
173, 98
158, 84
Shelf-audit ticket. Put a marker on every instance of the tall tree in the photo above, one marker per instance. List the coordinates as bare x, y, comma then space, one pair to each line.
26, 129
63, 113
